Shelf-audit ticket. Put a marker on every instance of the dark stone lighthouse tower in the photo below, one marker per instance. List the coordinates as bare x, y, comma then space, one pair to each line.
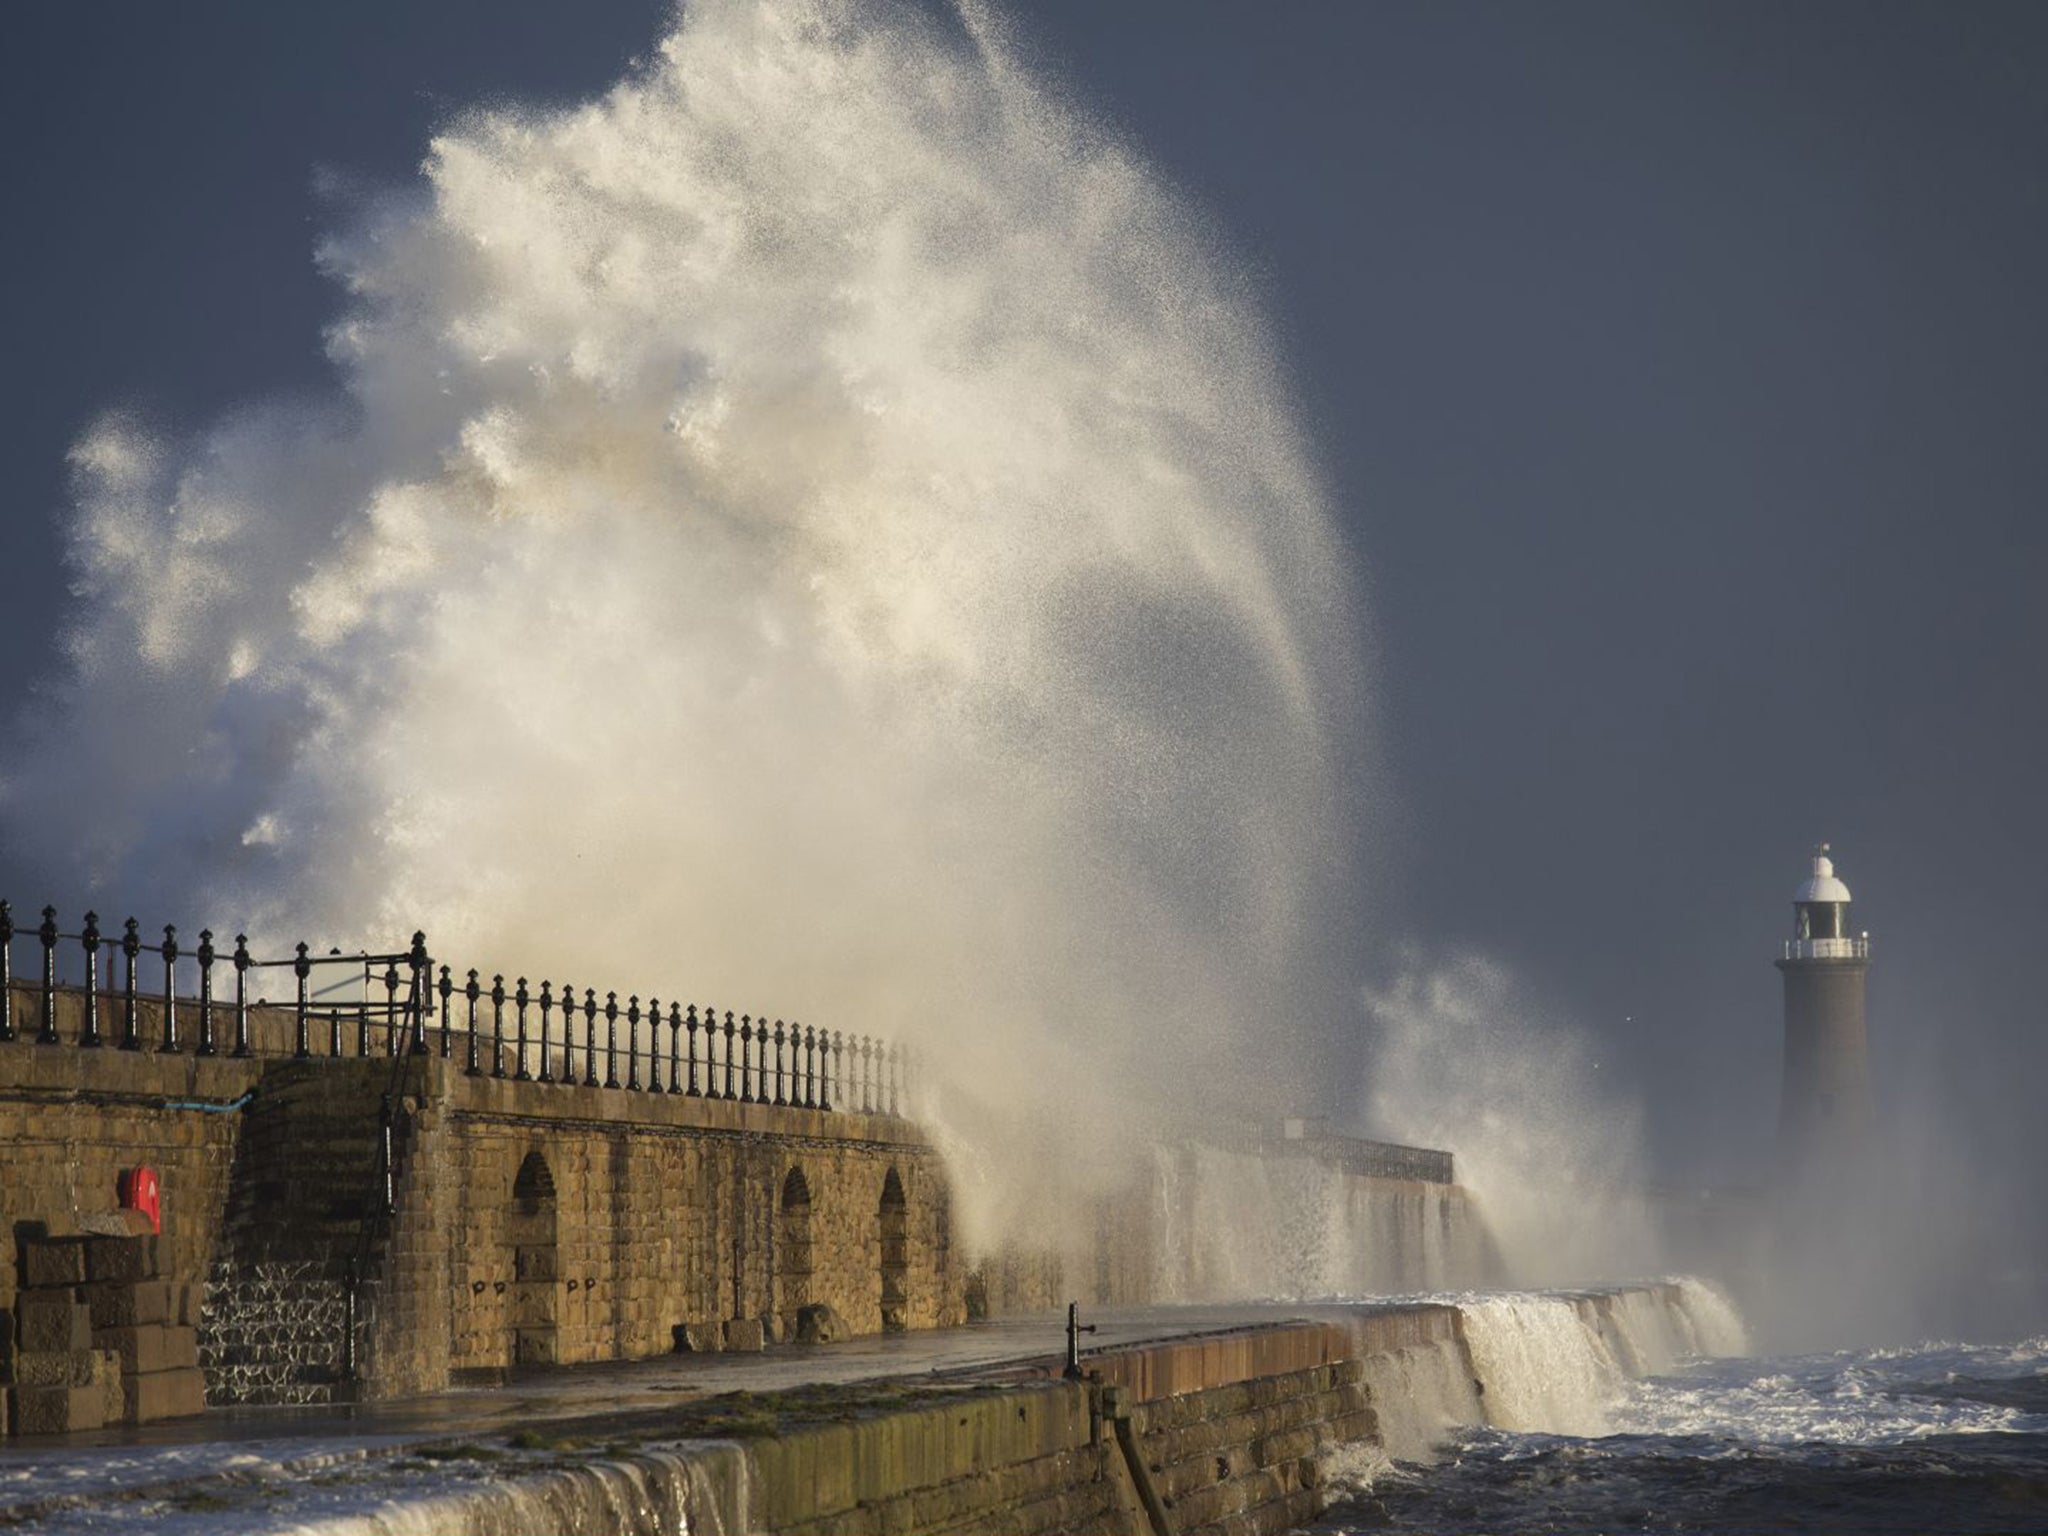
1828, 1115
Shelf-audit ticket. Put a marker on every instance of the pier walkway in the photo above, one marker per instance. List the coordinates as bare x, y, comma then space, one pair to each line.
85, 1481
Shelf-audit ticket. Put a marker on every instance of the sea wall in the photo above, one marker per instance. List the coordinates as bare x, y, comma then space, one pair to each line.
1240, 1432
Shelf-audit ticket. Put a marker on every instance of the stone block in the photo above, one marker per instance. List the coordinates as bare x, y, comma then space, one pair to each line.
113, 1401
142, 1349
162, 1395
186, 1301
53, 1321
129, 1304
57, 1410
53, 1261
745, 1334
181, 1348
53, 1368
121, 1223
696, 1338
117, 1258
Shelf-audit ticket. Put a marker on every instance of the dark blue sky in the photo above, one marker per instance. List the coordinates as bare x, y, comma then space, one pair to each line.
1680, 370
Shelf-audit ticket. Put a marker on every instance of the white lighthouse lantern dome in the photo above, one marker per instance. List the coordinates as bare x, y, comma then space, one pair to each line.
1822, 885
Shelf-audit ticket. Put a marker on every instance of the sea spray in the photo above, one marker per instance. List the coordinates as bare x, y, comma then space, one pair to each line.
1464, 1057
819, 528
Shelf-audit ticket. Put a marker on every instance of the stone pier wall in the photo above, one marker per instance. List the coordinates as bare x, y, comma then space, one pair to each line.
534, 1223
1230, 1433
565, 1224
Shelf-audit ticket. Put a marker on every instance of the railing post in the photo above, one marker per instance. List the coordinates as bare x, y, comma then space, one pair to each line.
131, 1014
779, 1096
568, 1034
675, 1047
731, 1034
809, 1058
204, 955
47, 1035
497, 1026
690, 1023
170, 954
302, 968
422, 991
520, 999
590, 1077
654, 1045
6, 971
472, 991
633, 1042
363, 1013
242, 1047
392, 1043
447, 990
547, 1001
750, 1080
89, 939
611, 1039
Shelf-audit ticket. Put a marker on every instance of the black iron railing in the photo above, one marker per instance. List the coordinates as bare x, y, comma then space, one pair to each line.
404, 1005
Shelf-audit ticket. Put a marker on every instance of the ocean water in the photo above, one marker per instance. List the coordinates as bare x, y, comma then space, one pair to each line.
1938, 1436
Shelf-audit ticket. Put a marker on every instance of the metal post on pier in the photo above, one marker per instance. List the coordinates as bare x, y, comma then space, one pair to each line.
47, 1035
6, 971
302, 969
422, 992
497, 1026
520, 998
131, 1012
170, 954
205, 955
633, 1042
447, 990
547, 1005
89, 938
242, 995
611, 1039
1075, 1329
392, 1022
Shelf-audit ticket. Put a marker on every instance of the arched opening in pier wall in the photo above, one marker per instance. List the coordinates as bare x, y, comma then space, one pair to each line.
793, 1239
531, 1231
894, 1219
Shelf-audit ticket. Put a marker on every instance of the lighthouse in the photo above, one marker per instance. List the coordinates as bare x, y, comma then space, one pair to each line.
1828, 1113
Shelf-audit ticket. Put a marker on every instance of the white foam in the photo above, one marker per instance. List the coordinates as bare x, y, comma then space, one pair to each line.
818, 526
